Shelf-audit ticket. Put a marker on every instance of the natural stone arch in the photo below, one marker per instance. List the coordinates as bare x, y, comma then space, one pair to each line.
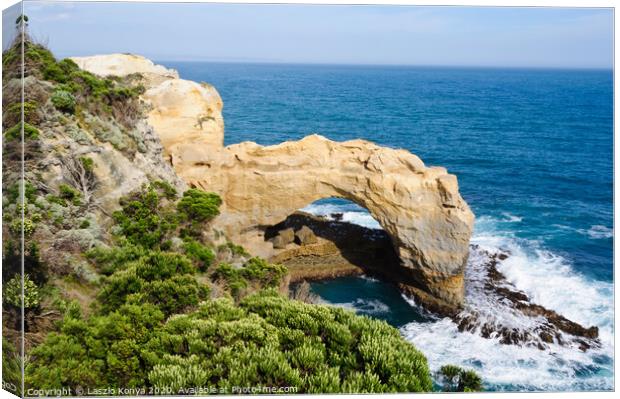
419, 207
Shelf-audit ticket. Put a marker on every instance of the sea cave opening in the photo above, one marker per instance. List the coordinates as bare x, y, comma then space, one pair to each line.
331, 238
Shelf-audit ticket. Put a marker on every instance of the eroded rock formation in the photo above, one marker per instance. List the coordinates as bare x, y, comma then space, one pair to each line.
418, 206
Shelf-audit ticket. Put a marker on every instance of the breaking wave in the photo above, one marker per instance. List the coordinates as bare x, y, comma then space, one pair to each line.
351, 213
548, 279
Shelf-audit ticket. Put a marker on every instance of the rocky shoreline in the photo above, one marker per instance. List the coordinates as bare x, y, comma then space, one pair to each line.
343, 249
485, 282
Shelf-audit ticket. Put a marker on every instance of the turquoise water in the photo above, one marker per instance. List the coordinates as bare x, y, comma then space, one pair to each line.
533, 152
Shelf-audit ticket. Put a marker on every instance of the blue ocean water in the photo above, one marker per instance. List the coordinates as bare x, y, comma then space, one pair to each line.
533, 152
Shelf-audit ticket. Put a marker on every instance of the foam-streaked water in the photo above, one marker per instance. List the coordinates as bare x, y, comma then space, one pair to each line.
532, 150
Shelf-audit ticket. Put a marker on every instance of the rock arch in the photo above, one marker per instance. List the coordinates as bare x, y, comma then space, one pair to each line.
419, 207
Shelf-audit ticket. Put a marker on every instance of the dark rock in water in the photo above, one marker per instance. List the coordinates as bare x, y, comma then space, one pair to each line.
305, 236
533, 324
284, 238
337, 216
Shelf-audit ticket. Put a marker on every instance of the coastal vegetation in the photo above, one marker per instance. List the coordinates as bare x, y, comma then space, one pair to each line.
142, 293
156, 325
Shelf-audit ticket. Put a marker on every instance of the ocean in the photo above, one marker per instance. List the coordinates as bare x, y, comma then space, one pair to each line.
533, 153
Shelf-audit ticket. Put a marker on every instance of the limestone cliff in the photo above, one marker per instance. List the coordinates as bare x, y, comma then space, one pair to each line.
418, 206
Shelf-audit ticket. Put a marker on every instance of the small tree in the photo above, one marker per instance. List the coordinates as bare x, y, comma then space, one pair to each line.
196, 208
456, 379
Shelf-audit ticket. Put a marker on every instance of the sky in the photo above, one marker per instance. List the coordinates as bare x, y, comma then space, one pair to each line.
396, 35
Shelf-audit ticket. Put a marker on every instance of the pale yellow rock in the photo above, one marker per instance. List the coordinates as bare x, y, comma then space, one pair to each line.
186, 112
124, 64
182, 111
420, 207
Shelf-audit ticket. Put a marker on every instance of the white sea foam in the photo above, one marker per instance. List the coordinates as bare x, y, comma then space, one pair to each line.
599, 232
351, 213
596, 232
511, 218
367, 306
549, 280
368, 278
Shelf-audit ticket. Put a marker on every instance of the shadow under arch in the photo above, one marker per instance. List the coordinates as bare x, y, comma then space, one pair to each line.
349, 242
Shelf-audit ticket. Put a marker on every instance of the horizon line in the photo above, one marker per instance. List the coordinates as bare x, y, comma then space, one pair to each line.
317, 63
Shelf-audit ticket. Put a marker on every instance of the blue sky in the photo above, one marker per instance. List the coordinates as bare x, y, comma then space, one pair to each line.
454, 36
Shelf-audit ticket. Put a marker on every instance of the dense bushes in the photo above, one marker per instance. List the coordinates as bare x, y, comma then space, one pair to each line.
102, 351
77, 91
13, 113
148, 217
202, 255
266, 341
256, 272
198, 205
155, 327
161, 278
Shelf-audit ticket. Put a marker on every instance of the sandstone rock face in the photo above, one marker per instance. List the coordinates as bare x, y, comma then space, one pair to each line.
283, 238
418, 206
305, 236
183, 112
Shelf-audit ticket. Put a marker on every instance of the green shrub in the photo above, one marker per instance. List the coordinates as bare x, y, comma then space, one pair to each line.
13, 113
197, 205
234, 248
202, 255
100, 352
109, 260
11, 367
272, 348
267, 274
30, 192
173, 295
13, 292
456, 379
69, 193
54, 199
256, 271
145, 218
15, 133
28, 227
267, 340
64, 101
163, 279
88, 164
230, 277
